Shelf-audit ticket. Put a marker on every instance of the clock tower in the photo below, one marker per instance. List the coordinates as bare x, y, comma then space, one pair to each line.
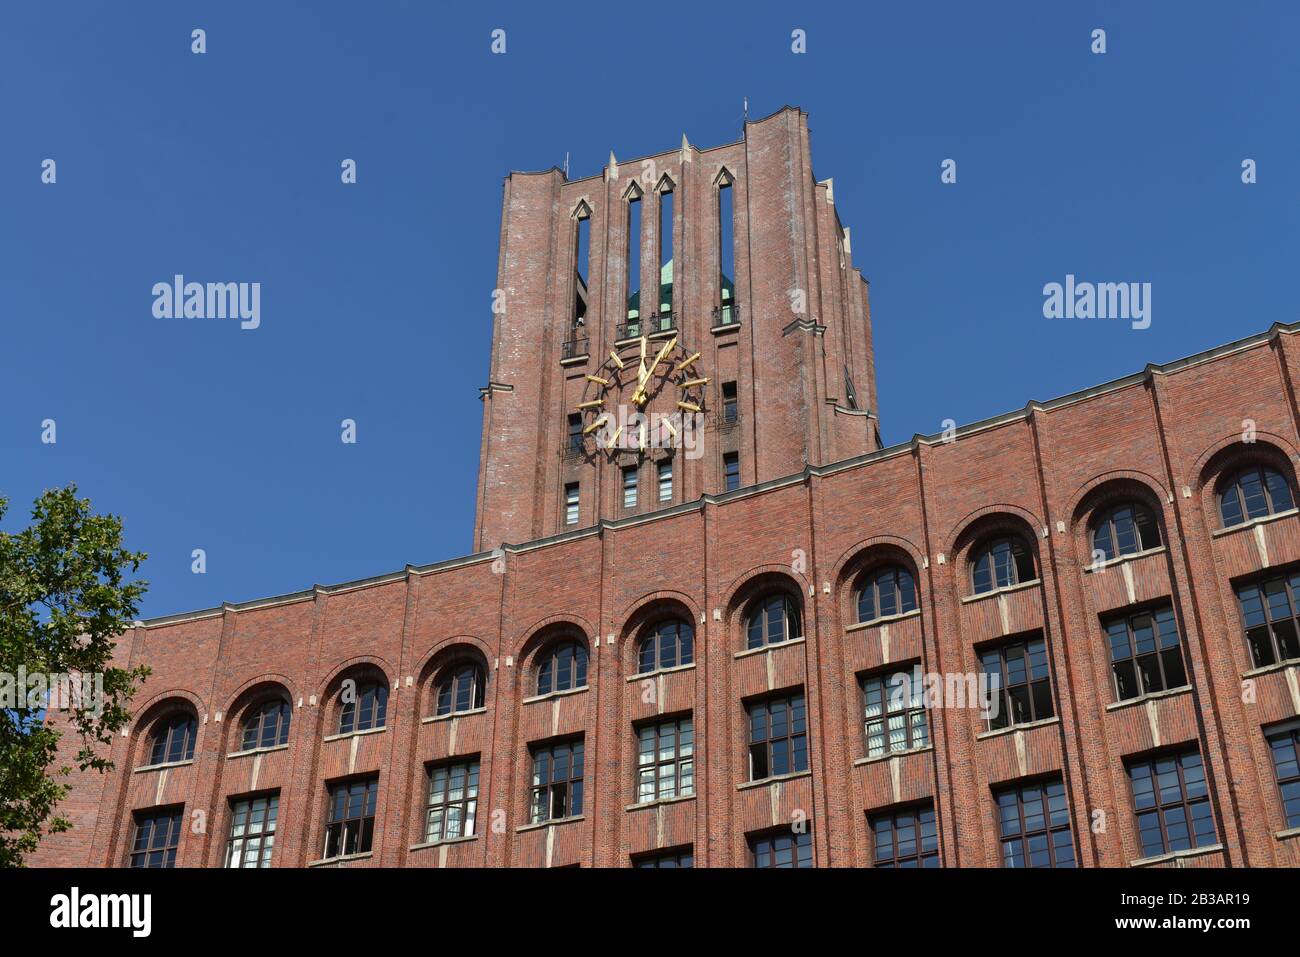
682, 324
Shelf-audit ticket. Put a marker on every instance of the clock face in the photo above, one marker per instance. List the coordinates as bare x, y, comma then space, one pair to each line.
646, 394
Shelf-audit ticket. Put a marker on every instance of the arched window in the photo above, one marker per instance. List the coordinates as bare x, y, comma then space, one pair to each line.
772, 619
173, 739
1253, 493
562, 667
1001, 563
1125, 530
668, 645
885, 592
364, 709
460, 688
267, 725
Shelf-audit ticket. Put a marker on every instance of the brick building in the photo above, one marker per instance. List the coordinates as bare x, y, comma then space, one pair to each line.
670, 656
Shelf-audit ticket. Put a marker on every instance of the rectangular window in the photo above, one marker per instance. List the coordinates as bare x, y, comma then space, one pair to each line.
1284, 744
906, 838
731, 470
1172, 803
157, 836
557, 781
778, 737
453, 801
581, 262
1034, 824
1019, 683
850, 393
783, 848
574, 443
730, 408
571, 504
629, 486
1269, 613
252, 831
1145, 654
665, 763
894, 711
680, 858
350, 826
666, 480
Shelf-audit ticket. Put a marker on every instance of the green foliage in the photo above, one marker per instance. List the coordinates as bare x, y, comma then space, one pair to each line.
65, 597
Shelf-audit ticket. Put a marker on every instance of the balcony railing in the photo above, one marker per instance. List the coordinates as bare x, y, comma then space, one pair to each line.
647, 326
574, 348
726, 315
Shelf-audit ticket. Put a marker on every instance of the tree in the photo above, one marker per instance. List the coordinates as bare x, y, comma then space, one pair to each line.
64, 600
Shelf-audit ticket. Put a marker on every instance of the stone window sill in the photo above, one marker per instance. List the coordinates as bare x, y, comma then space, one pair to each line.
164, 766
325, 861
998, 732
1090, 568
1262, 520
887, 620
443, 842
1153, 696
657, 802
1287, 833
660, 671
776, 644
252, 751
859, 762
555, 694
538, 825
774, 779
1175, 855
1270, 669
355, 734
455, 714
1001, 591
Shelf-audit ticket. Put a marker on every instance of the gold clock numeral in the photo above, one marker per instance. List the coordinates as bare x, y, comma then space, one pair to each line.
688, 406
596, 378
613, 356
645, 344
591, 404
600, 420
690, 382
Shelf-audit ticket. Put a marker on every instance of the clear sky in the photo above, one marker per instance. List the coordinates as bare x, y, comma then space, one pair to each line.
375, 304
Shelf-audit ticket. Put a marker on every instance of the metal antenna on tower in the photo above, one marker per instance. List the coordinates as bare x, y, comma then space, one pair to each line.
566, 164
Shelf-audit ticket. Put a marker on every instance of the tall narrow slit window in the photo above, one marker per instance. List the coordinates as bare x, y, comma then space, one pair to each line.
629, 487
730, 403
726, 313
581, 264
665, 257
557, 781
665, 471
633, 265
573, 443
1146, 655
731, 471
571, 504
1019, 681
1270, 613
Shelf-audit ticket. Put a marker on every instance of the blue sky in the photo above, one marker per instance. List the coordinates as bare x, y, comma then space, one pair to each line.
376, 297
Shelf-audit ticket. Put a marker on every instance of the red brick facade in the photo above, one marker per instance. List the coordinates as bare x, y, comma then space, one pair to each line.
818, 506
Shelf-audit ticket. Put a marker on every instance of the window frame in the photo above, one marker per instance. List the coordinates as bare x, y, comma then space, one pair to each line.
572, 502
632, 487
1024, 834
1005, 686
1232, 484
1258, 590
925, 841
567, 790
1156, 617
682, 857
256, 720
1290, 732
1151, 763
449, 682
139, 857
443, 803
664, 476
1017, 548
163, 737
872, 583
260, 835
792, 743
1108, 522
364, 820
800, 848
655, 638
730, 471
370, 707
791, 619
914, 704
680, 757
550, 657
